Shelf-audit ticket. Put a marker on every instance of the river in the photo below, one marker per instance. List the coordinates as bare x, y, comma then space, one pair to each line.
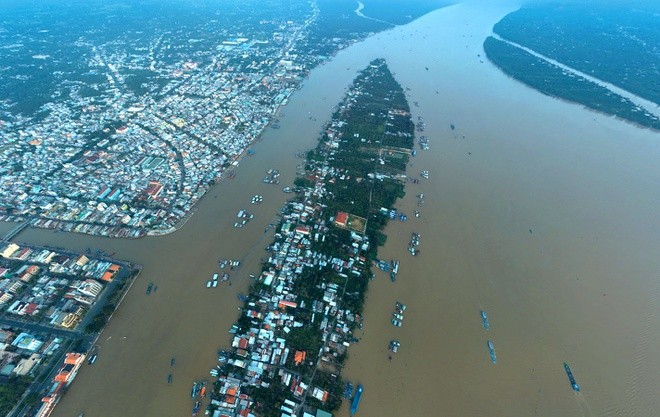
538, 211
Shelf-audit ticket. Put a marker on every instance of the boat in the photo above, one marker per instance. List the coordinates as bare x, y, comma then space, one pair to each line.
169, 378
571, 379
92, 359
196, 408
484, 319
202, 393
348, 390
150, 287
396, 323
394, 345
400, 306
491, 349
172, 362
383, 266
195, 389
395, 270
356, 400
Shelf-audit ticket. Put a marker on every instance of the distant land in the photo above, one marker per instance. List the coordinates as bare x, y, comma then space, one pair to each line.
117, 117
616, 45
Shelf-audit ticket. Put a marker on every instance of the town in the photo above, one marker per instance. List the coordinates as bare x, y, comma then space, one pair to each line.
136, 134
53, 304
291, 340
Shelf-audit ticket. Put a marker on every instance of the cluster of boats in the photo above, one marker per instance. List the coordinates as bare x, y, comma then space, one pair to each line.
169, 376
391, 267
393, 214
244, 217
223, 355
414, 242
257, 199
198, 390
420, 124
423, 143
222, 263
489, 343
213, 283
151, 288
493, 356
271, 177
424, 174
348, 393
397, 315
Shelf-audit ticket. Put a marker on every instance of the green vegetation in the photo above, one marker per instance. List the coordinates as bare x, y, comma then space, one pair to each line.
308, 339
375, 118
615, 43
99, 321
270, 399
11, 391
553, 81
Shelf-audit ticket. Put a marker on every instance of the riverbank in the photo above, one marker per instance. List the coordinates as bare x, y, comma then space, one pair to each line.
579, 288
290, 341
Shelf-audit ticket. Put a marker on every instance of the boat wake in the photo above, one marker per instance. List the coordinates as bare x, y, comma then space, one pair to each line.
639, 374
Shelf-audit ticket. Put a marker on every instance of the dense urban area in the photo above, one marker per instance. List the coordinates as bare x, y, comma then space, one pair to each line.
122, 136
53, 304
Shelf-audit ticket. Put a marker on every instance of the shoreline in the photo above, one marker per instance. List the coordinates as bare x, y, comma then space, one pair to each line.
549, 171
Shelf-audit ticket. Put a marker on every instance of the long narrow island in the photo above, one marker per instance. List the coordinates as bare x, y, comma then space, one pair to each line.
290, 343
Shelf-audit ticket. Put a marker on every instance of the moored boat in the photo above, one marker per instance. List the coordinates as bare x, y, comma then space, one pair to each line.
356, 399
348, 390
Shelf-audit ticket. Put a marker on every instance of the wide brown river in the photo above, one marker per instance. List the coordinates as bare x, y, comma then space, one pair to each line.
538, 211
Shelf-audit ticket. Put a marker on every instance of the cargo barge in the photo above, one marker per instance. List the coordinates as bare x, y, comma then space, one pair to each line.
491, 350
484, 319
571, 379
